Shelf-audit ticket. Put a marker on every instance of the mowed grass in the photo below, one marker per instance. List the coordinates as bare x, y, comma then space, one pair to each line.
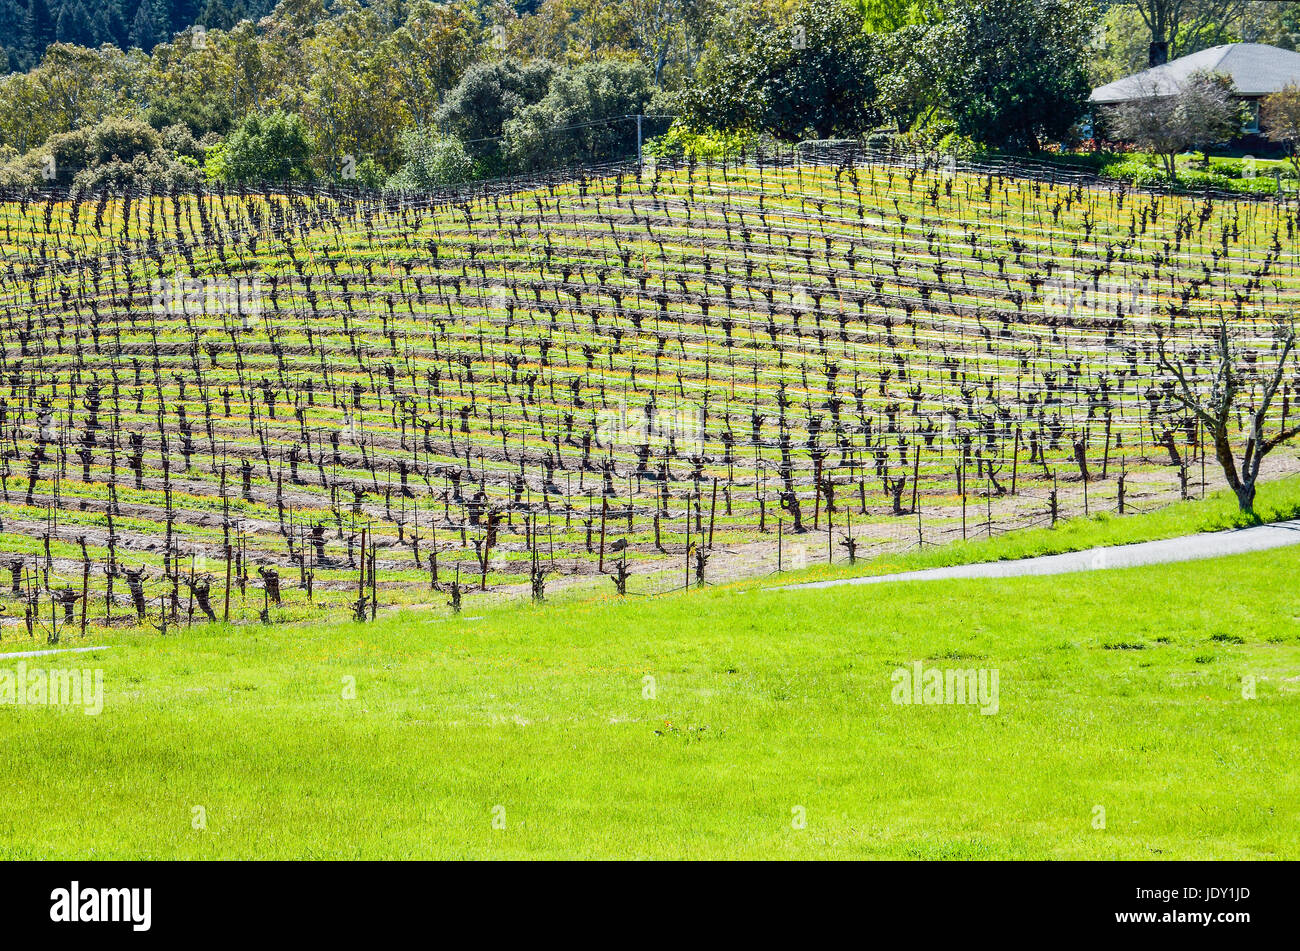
1121, 690
1279, 500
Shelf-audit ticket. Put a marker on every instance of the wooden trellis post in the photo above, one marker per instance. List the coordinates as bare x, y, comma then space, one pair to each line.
374, 583
961, 484
85, 591
604, 511
361, 573
1015, 460
713, 511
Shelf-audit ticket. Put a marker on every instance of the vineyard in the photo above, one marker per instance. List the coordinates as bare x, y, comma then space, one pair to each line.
241, 406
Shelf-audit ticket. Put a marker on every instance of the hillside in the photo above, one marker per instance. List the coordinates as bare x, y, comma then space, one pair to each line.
667, 371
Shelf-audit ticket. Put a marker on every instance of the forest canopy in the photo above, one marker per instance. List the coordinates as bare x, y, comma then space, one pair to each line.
413, 91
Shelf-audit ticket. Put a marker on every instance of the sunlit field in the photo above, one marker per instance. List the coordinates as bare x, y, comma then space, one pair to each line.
1140, 713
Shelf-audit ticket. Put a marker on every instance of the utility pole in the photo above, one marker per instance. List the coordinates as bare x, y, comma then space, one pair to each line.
638, 139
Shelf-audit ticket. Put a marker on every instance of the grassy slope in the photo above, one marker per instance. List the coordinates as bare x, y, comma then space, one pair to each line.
1278, 500
765, 701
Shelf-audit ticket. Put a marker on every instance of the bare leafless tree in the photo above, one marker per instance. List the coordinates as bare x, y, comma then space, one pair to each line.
1198, 113
1218, 409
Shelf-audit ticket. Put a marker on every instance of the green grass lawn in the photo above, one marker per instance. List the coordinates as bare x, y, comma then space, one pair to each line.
1278, 500
1229, 169
1120, 690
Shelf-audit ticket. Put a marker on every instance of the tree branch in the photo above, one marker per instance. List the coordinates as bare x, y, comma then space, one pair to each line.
1270, 444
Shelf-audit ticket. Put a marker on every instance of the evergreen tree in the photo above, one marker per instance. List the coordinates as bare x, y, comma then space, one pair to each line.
11, 30
73, 24
143, 32
183, 13
221, 15
116, 22
42, 20
101, 30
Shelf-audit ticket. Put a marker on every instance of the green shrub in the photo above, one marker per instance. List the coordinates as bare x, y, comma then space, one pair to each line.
1202, 180
270, 148
488, 95
120, 140
117, 153
962, 146
1138, 170
156, 168
1261, 185
432, 161
582, 119
927, 133
179, 141
884, 141
707, 145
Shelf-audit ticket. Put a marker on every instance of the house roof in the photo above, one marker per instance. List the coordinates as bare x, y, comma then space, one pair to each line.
1255, 69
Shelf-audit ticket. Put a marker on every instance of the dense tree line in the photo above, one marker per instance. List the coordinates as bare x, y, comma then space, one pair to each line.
419, 93
29, 27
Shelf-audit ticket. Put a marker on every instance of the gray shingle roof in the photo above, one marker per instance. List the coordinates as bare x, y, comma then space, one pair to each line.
1256, 69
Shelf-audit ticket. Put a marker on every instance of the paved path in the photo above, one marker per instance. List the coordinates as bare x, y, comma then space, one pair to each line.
61, 650
1186, 548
